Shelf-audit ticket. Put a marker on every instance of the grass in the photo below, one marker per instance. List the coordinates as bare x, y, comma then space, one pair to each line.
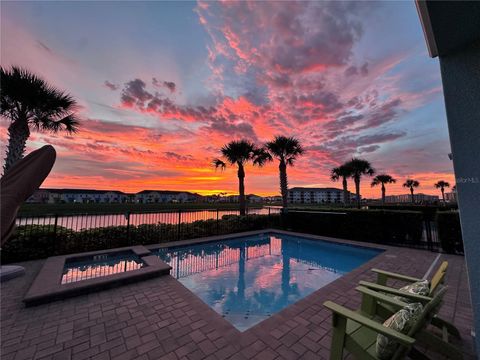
60, 209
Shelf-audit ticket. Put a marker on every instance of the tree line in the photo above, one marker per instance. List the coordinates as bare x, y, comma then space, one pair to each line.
286, 150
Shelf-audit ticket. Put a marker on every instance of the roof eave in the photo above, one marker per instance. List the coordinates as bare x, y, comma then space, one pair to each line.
422, 10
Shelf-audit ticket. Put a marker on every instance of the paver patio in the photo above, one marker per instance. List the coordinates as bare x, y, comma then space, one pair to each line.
161, 319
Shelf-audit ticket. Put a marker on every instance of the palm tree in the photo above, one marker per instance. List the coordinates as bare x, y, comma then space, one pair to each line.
342, 172
442, 185
286, 150
30, 103
411, 184
383, 179
239, 153
359, 167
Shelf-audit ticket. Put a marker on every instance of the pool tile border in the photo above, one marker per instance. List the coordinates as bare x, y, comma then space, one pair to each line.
47, 285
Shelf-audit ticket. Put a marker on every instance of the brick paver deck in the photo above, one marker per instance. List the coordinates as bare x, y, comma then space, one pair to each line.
161, 319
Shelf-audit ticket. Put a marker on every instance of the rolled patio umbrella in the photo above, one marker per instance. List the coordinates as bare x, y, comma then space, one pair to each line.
20, 182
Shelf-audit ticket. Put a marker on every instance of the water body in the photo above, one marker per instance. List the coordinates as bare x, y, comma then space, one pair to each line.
80, 222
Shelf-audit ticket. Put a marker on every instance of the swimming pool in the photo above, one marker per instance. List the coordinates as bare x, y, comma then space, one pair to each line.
248, 279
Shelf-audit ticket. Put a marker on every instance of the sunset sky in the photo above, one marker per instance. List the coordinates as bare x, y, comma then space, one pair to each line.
162, 86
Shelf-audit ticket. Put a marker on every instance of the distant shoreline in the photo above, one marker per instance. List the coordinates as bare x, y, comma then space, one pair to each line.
116, 208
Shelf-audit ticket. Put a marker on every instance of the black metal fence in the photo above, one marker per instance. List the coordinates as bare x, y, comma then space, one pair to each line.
43, 236
397, 228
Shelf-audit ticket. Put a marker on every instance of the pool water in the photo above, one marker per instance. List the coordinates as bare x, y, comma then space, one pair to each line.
95, 266
248, 279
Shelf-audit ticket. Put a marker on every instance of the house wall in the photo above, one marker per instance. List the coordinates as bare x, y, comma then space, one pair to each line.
461, 86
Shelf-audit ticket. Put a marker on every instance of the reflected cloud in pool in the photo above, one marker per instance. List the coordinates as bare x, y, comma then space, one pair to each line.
246, 280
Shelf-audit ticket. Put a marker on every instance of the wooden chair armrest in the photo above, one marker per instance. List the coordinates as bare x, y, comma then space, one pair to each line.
389, 290
393, 275
379, 297
371, 324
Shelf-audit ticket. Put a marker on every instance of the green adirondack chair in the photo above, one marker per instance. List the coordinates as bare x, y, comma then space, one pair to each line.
356, 331
382, 305
437, 279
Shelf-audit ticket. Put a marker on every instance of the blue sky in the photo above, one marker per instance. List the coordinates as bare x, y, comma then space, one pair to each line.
162, 85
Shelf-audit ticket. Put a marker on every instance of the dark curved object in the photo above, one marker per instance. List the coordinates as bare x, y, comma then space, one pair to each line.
20, 182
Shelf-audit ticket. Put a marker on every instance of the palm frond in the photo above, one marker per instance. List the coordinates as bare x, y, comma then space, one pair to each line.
261, 156
410, 183
285, 148
441, 184
359, 167
27, 97
238, 151
383, 179
219, 164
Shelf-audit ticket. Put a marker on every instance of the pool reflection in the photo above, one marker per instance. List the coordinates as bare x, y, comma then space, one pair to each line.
93, 268
246, 280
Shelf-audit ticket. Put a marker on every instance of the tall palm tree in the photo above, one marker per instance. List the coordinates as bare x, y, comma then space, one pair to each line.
342, 172
383, 179
286, 150
442, 185
358, 168
411, 184
240, 153
32, 104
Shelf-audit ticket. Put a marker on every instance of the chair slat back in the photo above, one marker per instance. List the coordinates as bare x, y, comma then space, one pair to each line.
430, 309
437, 279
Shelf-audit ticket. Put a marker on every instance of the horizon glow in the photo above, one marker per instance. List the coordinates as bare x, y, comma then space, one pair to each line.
161, 86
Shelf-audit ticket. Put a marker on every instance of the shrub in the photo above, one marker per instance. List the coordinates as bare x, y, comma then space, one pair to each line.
385, 227
449, 231
40, 241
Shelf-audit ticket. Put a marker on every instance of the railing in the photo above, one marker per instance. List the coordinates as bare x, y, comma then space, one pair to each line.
47, 235
91, 271
185, 262
407, 229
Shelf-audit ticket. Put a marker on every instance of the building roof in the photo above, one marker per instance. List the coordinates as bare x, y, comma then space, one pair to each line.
82, 191
93, 191
166, 192
449, 25
314, 189
415, 194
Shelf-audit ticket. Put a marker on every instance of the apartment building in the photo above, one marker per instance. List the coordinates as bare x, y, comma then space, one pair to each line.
53, 196
407, 198
165, 196
306, 195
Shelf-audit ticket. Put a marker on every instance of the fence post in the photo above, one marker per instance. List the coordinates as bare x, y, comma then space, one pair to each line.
127, 216
179, 223
428, 231
55, 247
218, 230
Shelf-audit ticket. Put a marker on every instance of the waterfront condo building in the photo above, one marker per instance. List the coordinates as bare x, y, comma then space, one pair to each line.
306, 195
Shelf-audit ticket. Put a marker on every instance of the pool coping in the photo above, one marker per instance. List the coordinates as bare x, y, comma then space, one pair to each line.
47, 285
215, 238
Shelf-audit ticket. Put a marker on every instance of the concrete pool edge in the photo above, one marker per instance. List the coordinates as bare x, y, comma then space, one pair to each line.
47, 286
215, 238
